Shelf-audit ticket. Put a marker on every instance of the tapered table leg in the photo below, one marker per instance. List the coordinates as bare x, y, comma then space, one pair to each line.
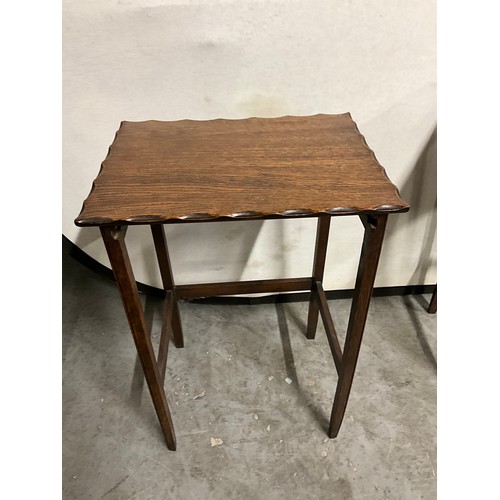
167, 278
370, 253
322, 233
118, 256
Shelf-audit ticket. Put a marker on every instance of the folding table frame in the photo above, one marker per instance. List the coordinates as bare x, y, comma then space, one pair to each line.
158, 173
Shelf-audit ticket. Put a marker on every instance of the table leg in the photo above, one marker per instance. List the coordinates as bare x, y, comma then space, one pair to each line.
114, 241
318, 272
370, 253
167, 278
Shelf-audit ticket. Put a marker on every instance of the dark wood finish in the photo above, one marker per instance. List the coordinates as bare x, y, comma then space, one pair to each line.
331, 333
322, 233
165, 334
370, 254
185, 171
257, 168
120, 263
433, 303
241, 287
167, 278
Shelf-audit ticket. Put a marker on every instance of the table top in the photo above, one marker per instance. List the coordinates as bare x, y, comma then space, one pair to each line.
255, 168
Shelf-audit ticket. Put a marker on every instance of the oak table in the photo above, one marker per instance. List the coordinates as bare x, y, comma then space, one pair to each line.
187, 171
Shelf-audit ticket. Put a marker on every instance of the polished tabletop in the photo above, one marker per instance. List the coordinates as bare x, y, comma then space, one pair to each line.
254, 168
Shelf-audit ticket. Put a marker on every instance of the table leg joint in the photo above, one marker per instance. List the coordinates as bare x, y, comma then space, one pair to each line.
118, 232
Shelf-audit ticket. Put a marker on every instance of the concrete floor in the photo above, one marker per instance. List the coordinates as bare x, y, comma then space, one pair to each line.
236, 360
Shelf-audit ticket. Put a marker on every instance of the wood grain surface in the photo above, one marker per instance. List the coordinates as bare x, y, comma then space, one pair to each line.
255, 168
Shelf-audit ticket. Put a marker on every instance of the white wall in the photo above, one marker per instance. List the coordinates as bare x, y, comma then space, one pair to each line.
203, 59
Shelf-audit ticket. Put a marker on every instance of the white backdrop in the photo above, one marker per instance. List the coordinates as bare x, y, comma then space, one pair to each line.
203, 59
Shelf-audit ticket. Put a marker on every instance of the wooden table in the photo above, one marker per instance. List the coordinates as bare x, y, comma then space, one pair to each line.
186, 171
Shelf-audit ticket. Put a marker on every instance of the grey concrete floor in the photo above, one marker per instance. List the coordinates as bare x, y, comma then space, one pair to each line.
236, 359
